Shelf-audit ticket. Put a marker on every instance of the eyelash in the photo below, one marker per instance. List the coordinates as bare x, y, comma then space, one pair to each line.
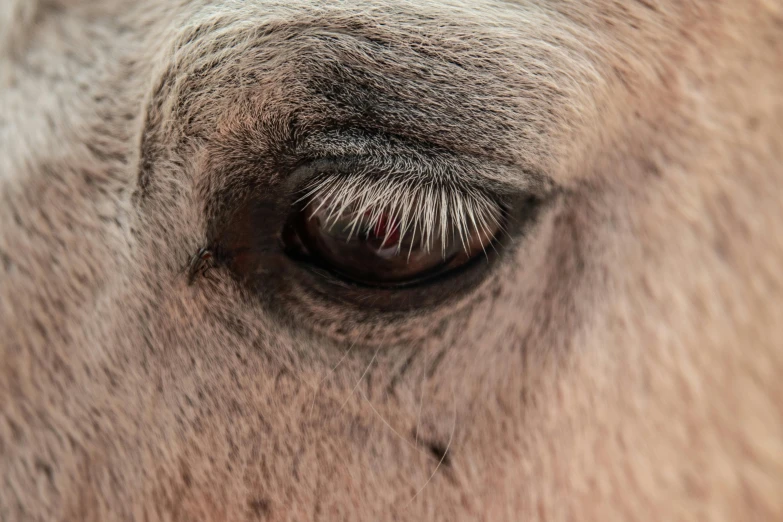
424, 210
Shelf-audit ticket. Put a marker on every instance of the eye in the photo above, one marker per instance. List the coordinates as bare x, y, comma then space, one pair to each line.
402, 238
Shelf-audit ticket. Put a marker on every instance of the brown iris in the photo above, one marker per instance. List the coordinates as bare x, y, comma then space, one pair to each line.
378, 248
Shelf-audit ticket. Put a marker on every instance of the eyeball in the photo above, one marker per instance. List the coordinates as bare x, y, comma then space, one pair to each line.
377, 247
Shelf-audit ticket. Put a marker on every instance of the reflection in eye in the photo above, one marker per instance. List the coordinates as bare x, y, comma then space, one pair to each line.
383, 234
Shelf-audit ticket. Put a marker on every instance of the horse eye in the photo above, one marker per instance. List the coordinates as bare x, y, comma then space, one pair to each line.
378, 248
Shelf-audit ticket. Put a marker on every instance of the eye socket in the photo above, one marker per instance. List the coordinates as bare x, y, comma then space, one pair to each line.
380, 245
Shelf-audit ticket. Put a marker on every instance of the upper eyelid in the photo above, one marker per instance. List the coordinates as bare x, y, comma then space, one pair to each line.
404, 174
354, 150
421, 171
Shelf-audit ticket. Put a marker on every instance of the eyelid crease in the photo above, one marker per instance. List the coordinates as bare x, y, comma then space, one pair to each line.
424, 210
